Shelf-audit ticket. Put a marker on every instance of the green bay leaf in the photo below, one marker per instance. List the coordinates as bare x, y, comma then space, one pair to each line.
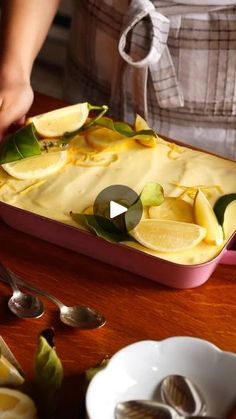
22, 143
125, 129
105, 228
152, 194
221, 205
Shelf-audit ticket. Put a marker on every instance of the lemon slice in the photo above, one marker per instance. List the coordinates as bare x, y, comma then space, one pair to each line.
16, 405
141, 124
8, 373
36, 167
168, 236
205, 217
173, 209
57, 122
101, 138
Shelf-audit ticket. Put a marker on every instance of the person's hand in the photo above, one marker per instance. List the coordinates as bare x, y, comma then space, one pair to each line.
16, 98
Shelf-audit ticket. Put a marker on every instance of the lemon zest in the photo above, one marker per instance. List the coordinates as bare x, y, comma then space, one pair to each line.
10, 185
191, 191
174, 148
30, 187
93, 159
3, 183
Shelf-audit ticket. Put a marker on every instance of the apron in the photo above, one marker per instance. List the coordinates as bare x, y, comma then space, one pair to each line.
173, 63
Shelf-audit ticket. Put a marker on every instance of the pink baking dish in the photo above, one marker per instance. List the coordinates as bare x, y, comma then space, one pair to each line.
132, 260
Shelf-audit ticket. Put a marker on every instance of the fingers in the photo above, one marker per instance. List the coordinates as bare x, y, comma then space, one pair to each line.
21, 120
7, 118
14, 105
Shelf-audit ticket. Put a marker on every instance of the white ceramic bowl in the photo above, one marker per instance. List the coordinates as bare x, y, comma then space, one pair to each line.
136, 371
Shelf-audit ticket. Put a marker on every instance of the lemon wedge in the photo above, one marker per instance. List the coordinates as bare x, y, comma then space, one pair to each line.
16, 405
168, 236
56, 123
37, 167
9, 374
141, 124
173, 209
205, 217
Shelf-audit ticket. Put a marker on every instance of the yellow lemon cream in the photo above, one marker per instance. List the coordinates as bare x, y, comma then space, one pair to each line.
88, 170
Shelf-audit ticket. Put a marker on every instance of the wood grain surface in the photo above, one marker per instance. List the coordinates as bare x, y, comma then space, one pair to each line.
135, 308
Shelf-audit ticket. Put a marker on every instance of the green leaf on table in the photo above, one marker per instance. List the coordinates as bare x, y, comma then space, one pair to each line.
125, 129
152, 194
91, 372
48, 373
105, 228
22, 143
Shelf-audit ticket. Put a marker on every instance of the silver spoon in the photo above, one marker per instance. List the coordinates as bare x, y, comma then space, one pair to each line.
76, 316
183, 395
21, 304
149, 409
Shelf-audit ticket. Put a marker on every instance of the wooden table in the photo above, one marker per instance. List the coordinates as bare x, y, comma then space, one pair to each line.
135, 308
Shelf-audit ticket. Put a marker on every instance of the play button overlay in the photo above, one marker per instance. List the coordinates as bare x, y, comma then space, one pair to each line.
120, 205
116, 209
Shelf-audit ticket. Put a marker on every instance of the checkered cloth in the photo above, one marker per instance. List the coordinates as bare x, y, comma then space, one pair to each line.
172, 62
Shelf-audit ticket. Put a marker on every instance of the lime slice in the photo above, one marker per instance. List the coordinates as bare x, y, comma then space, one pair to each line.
36, 167
205, 217
168, 236
16, 405
58, 122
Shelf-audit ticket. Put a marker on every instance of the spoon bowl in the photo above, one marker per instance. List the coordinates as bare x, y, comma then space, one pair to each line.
183, 395
82, 317
25, 305
139, 409
21, 304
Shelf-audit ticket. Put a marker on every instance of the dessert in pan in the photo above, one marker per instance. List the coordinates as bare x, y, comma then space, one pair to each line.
58, 164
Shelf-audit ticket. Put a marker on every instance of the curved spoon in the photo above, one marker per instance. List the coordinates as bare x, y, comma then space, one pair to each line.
76, 316
183, 395
140, 409
21, 304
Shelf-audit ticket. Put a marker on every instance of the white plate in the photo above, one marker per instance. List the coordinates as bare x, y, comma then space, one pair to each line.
136, 371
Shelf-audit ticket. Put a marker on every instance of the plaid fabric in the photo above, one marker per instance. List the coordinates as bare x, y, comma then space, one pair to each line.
174, 63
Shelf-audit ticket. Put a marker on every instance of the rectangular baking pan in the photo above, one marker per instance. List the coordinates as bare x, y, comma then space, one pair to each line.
165, 272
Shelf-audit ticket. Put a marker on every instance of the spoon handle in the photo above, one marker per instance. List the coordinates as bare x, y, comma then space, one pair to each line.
10, 277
